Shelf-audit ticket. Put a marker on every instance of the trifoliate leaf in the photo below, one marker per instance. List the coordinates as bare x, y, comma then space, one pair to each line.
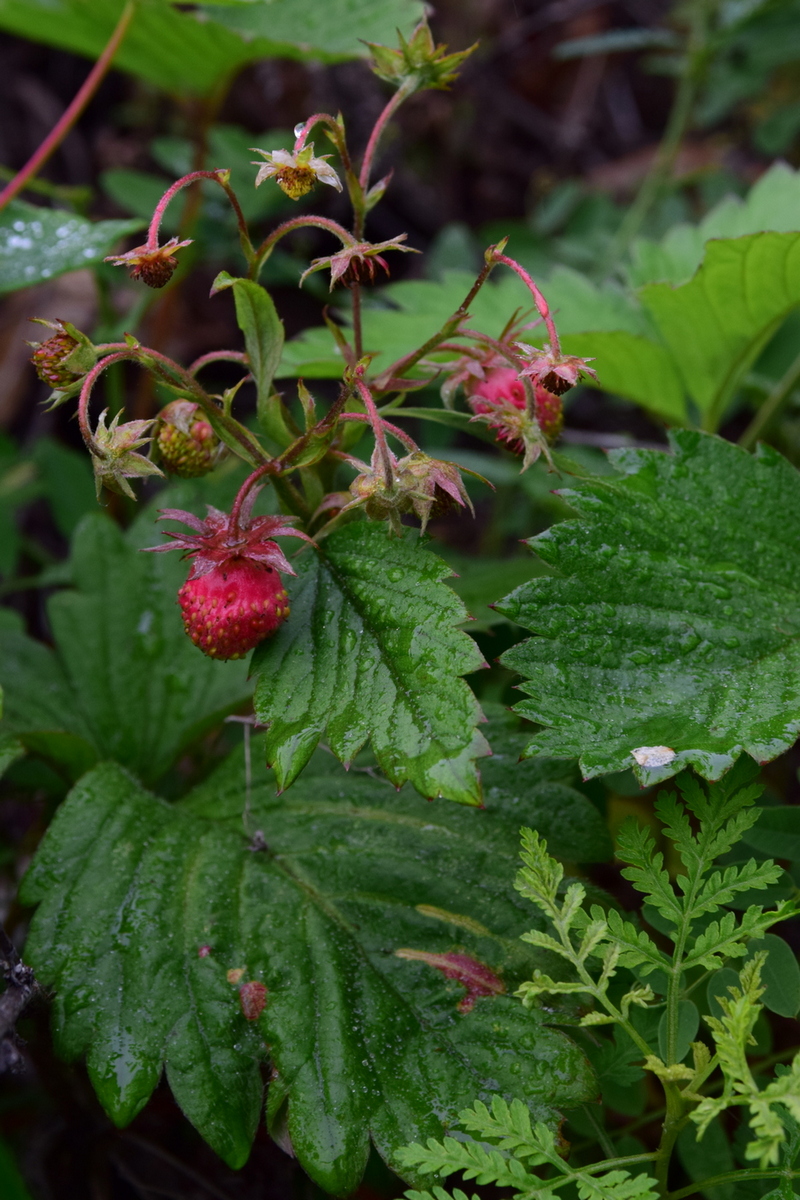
152, 917
668, 635
371, 652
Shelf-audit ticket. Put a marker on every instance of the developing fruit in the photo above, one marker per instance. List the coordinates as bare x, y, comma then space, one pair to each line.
186, 442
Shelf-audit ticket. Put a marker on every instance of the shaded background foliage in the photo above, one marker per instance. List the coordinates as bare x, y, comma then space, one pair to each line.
536, 139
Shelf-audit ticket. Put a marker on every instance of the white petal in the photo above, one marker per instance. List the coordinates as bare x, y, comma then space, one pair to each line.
265, 171
326, 174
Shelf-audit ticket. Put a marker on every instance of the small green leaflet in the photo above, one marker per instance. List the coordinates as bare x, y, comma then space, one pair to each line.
123, 680
669, 635
144, 908
40, 243
371, 652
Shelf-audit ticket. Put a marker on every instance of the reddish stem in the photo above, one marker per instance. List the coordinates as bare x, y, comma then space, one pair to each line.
401, 436
338, 138
265, 249
86, 393
267, 468
376, 421
192, 177
538, 298
391, 108
218, 356
71, 114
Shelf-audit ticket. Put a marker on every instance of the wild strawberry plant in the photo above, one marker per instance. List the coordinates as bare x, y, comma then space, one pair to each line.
203, 915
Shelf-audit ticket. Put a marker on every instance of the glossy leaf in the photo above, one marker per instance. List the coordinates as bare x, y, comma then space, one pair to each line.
670, 629
151, 917
123, 681
371, 652
37, 243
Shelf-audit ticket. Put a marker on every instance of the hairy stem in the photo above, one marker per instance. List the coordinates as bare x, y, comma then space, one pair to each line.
213, 356
449, 329
219, 177
376, 421
270, 241
542, 306
268, 468
401, 436
402, 94
73, 111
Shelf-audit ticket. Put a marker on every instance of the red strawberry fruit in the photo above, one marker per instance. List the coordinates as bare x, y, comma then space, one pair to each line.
234, 596
234, 607
503, 389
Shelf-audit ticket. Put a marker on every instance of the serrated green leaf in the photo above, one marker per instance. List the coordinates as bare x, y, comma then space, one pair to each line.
145, 908
41, 243
123, 681
371, 652
664, 634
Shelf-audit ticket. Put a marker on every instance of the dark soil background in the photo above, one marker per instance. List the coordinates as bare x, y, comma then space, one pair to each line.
491, 154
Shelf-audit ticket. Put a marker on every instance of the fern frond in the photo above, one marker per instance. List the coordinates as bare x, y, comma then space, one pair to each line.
470, 1158
543, 985
732, 1033
636, 847
726, 939
541, 875
617, 1185
638, 949
722, 886
508, 1126
677, 826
